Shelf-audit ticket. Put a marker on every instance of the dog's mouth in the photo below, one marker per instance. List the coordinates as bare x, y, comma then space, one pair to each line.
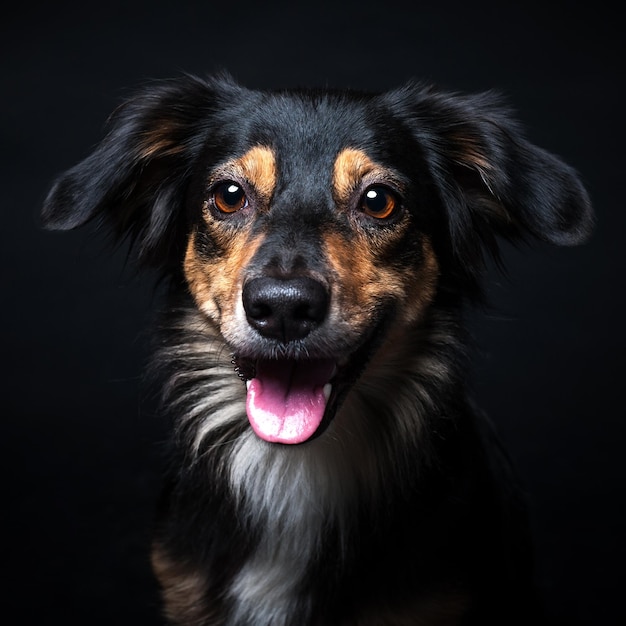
287, 400
291, 401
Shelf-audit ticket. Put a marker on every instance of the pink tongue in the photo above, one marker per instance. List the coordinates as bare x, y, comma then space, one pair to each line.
286, 400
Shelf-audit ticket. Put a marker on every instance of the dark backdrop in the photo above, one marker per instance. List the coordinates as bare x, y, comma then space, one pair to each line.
81, 450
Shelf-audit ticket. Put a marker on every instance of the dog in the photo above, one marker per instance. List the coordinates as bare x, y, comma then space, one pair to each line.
320, 249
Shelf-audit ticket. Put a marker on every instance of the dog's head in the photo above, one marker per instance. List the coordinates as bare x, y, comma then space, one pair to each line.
310, 226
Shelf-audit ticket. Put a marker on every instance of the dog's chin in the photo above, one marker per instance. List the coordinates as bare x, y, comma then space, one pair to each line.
292, 400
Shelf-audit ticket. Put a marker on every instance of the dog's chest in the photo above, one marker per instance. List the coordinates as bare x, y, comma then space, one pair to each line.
296, 510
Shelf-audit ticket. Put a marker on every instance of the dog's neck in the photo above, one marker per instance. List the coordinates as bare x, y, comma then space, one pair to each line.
294, 497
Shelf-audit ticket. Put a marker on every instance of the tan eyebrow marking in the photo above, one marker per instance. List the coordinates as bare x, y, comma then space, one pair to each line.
351, 167
257, 166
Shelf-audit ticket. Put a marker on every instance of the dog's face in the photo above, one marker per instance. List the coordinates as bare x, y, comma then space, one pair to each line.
314, 227
304, 248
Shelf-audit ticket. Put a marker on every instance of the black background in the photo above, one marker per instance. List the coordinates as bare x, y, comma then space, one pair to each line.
79, 448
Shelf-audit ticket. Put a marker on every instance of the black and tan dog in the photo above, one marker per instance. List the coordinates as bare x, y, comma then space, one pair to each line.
320, 246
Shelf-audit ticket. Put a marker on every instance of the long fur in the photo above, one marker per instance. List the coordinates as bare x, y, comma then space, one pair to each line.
403, 509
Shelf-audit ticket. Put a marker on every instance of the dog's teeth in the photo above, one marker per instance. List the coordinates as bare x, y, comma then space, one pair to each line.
247, 384
327, 389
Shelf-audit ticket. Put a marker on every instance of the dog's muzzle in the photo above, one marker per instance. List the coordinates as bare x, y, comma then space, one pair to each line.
287, 397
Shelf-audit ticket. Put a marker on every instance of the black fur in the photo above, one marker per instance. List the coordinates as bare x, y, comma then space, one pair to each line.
411, 515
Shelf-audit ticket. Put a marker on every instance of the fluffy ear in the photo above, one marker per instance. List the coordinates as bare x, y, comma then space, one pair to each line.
136, 178
490, 178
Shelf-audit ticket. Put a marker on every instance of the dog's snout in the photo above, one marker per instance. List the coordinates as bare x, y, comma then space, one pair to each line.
285, 309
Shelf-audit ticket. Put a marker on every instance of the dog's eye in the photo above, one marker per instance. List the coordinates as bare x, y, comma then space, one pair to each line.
229, 197
379, 202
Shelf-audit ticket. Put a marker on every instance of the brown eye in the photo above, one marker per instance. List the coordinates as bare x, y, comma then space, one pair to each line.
379, 202
229, 197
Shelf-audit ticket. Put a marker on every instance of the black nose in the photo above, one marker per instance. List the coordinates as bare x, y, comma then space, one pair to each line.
285, 309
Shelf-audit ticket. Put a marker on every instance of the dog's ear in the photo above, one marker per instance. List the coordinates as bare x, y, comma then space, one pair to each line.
136, 177
490, 178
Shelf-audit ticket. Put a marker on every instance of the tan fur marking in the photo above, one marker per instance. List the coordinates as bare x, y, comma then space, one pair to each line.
257, 167
160, 141
183, 589
421, 290
199, 283
469, 153
216, 283
362, 277
362, 281
351, 168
